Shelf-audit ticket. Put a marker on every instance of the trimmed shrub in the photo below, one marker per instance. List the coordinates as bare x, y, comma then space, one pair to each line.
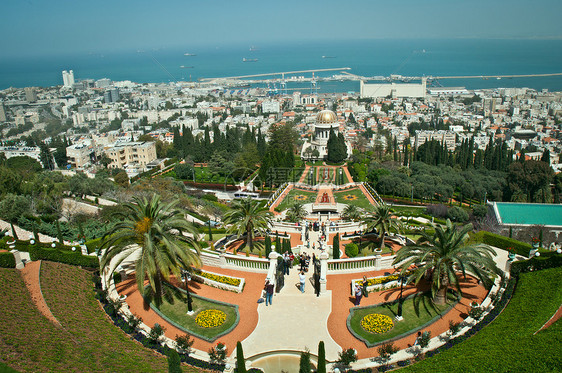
351, 250
7, 260
68, 257
457, 214
479, 211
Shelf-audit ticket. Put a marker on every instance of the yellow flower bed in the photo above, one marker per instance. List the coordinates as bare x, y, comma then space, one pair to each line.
350, 197
210, 318
218, 278
377, 323
385, 279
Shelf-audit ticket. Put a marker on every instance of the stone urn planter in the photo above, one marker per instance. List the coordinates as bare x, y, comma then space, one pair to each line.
511, 256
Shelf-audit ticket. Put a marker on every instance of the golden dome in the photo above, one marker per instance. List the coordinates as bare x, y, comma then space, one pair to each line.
326, 116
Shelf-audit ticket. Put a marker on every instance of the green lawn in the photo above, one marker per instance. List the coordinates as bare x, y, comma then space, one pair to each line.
509, 344
416, 312
88, 341
356, 197
175, 309
409, 210
299, 196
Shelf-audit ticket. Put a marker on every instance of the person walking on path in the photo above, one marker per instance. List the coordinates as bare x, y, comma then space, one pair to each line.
302, 279
268, 292
358, 294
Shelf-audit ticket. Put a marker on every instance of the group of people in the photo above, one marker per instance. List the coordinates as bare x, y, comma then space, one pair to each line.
360, 290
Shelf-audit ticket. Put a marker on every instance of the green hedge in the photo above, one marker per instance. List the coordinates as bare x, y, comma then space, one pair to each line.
93, 245
502, 242
54, 255
7, 260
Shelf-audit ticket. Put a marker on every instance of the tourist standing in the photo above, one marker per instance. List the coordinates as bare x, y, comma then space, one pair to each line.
302, 279
364, 285
358, 294
268, 292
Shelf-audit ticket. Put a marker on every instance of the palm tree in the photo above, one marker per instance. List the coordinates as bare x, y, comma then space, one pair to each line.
247, 216
157, 230
296, 212
383, 219
351, 212
443, 255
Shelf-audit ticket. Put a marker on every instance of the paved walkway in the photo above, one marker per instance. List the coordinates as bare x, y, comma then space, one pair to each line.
294, 321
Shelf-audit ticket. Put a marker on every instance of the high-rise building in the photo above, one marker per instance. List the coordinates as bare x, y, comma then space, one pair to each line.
111, 95
68, 78
30, 95
2, 113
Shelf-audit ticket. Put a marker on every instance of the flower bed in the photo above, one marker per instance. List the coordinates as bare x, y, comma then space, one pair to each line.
210, 318
378, 283
216, 280
377, 323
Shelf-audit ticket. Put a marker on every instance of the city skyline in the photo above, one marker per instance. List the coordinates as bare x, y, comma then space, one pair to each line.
42, 28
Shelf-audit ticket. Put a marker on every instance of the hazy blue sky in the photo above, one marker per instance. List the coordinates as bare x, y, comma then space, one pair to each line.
36, 27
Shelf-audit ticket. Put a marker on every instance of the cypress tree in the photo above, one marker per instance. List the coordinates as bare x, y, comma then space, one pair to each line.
267, 245
174, 362
240, 362
14, 234
278, 247
59, 233
304, 366
336, 246
321, 358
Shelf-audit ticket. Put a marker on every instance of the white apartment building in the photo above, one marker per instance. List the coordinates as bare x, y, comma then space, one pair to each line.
270, 106
447, 137
131, 154
80, 155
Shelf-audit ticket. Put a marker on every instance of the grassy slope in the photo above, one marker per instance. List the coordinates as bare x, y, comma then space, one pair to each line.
508, 343
92, 342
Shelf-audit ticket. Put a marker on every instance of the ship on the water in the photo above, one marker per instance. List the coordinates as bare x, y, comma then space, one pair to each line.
186, 67
254, 49
249, 59
328, 56
189, 54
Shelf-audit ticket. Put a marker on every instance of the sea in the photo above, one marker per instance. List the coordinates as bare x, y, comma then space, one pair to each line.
370, 58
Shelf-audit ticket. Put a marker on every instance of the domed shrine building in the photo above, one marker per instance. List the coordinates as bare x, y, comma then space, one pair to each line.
316, 148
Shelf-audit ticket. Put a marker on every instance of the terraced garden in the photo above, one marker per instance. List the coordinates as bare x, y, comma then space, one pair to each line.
88, 342
353, 197
509, 343
203, 325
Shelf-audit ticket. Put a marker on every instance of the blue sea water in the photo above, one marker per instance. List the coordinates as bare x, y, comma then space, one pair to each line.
364, 57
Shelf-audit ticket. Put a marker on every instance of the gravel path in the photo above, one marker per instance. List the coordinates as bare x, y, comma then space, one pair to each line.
30, 275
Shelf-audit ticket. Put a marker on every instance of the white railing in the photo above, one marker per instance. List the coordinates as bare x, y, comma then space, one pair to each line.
281, 226
364, 263
249, 263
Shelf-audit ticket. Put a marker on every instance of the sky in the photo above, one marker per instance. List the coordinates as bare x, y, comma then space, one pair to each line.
45, 27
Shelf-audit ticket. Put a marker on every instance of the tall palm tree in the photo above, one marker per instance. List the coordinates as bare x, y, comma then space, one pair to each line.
352, 212
384, 220
445, 254
157, 230
296, 212
247, 216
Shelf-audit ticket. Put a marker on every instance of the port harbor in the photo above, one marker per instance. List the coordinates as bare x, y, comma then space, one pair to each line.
311, 76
